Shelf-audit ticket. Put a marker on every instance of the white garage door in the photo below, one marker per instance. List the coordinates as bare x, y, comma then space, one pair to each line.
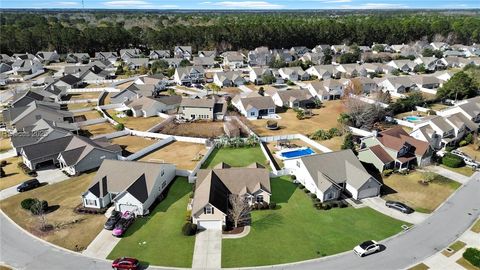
126, 207
210, 224
368, 192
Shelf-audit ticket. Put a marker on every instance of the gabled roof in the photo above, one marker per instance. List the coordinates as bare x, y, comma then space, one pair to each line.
257, 102
381, 154
136, 178
396, 137
215, 185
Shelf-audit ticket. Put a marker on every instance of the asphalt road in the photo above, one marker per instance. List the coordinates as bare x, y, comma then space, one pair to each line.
23, 251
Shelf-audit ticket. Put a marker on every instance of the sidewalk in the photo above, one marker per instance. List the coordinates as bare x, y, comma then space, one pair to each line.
208, 250
447, 173
442, 262
378, 204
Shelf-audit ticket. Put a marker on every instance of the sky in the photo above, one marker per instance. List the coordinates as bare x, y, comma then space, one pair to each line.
242, 4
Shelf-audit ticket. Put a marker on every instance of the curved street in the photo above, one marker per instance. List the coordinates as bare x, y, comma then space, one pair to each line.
456, 215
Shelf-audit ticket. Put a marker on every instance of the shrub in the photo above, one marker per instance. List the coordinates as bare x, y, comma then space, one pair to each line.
313, 196
431, 112
128, 113
3, 163
449, 148
119, 126
27, 203
188, 216
342, 204
327, 206
334, 204
462, 143
452, 161
317, 200
189, 229
468, 139
39, 207
265, 206
293, 177
387, 172
2, 172
472, 255
301, 186
272, 205
306, 191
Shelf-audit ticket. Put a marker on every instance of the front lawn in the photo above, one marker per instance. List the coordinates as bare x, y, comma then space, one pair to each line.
13, 174
465, 170
423, 198
236, 157
296, 231
158, 239
72, 231
5, 144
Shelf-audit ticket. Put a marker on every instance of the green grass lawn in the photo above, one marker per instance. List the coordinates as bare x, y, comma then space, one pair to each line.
297, 231
165, 244
236, 157
465, 170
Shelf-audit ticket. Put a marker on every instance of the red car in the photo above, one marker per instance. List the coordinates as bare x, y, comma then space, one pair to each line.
125, 263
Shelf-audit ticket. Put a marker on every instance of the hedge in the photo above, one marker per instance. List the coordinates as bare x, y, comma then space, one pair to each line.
189, 229
452, 161
472, 255
27, 203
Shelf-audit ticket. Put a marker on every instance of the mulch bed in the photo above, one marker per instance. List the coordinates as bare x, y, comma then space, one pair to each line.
237, 230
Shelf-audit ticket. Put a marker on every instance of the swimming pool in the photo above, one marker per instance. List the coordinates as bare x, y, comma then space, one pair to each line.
299, 152
414, 118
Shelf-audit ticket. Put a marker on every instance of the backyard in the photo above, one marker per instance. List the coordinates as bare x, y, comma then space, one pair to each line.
84, 95
72, 231
83, 116
132, 144
77, 106
5, 144
423, 198
136, 123
99, 129
301, 232
272, 146
184, 155
323, 118
236, 157
13, 174
158, 239
204, 129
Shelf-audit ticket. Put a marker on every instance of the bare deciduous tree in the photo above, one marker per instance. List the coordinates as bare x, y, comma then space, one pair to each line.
40, 211
239, 208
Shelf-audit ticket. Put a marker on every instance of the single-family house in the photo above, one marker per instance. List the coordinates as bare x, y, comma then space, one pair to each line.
321, 48
214, 187
4, 67
48, 57
68, 82
394, 148
254, 105
23, 99
430, 63
405, 66
213, 108
326, 90
183, 52
261, 56
295, 98
329, 175
127, 54
159, 54
137, 63
395, 85
150, 106
82, 58
426, 81
293, 74
189, 75
441, 46
316, 58
130, 185
470, 108
233, 59
364, 85
206, 62
351, 70
26, 67
228, 78
323, 72
106, 56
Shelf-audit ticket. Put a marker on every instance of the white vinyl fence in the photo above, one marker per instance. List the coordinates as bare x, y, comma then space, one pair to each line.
302, 137
360, 132
193, 175
149, 149
88, 90
112, 135
91, 122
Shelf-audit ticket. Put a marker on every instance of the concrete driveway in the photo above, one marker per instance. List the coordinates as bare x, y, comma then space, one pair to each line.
378, 204
102, 245
49, 175
207, 253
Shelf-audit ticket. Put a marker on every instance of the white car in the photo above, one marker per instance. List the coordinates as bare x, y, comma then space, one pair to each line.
366, 248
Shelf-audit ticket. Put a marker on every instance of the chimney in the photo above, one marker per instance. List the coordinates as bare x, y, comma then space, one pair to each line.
375, 133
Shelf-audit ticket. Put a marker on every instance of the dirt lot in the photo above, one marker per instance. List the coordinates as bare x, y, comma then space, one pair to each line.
70, 230
89, 115
85, 95
99, 129
81, 106
184, 155
5, 144
405, 188
137, 123
195, 129
14, 175
133, 144
324, 118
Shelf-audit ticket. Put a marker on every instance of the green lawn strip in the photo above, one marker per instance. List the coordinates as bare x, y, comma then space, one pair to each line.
165, 244
305, 232
476, 227
420, 266
236, 157
455, 247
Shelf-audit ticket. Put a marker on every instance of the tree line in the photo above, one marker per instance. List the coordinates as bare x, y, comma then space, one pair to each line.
31, 32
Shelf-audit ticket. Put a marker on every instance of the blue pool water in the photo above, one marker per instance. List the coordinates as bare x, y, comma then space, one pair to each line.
413, 118
297, 153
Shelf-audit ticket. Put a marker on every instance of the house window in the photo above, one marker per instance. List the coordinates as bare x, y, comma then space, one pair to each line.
162, 173
259, 198
208, 210
164, 184
91, 202
252, 113
271, 110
